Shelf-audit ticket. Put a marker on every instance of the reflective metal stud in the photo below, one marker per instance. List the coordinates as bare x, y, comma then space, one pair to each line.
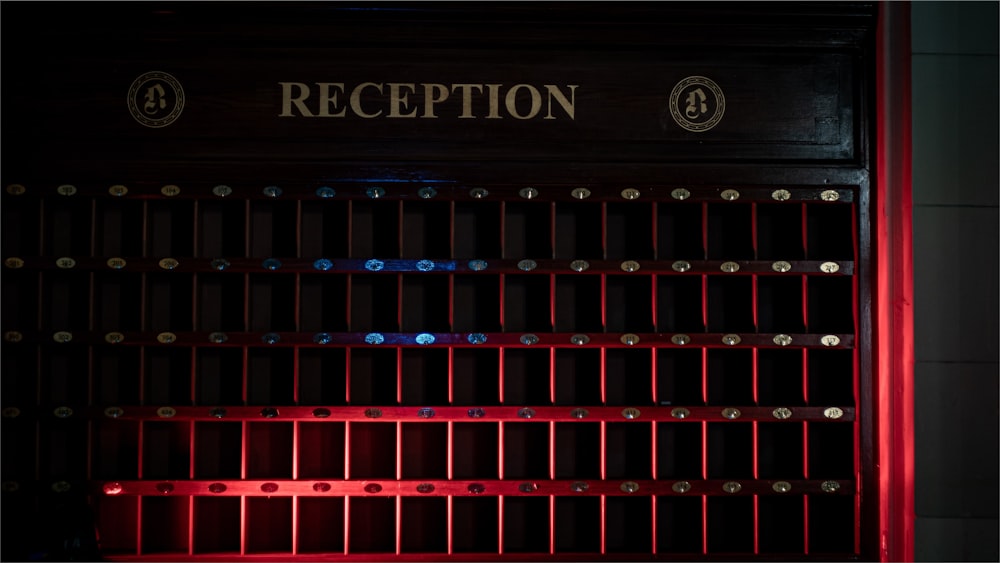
580, 193
476, 488
373, 488
321, 412
731, 413
322, 338
680, 193
373, 412
14, 263
114, 337
322, 487
374, 265
166, 412
579, 487
680, 412
374, 338
681, 266
13, 336
323, 264
830, 486
731, 339
833, 412
218, 338
830, 195
829, 267
222, 190
220, 264
526, 412
170, 190
579, 265
326, 192
271, 264
579, 339
65, 263
782, 413
731, 487
217, 412
268, 487
16, 189
427, 192
782, 487
62, 336
529, 339
680, 339
116, 263
476, 413
61, 486
527, 265
11, 412
269, 412
730, 195
527, 487
579, 413
424, 338
781, 266
629, 487
62, 412
272, 191
729, 267
681, 487
830, 340
425, 265
630, 266
425, 412
630, 339
424, 488
271, 338
375, 192
478, 193
166, 338
477, 338
631, 413
782, 339
781, 195
477, 265
66, 190
528, 193
630, 193
118, 190
164, 488
168, 263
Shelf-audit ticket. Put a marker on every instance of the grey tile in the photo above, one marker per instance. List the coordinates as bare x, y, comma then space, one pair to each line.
956, 280
955, 539
956, 460
954, 27
956, 130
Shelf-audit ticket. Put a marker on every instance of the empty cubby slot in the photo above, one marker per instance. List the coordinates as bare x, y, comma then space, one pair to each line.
66, 301
579, 231
782, 524
322, 376
424, 525
779, 450
679, 304
678, 525
477, 446
166, 450
779, 232
115, 297
629, 376
527, 305
678, 450
629, 450
426, 230
578, 450
269, 524
374, 229
425, 376
18, 448
20, 299
169, 302
373, 525
165, 524
679, 377
20, 228
477, 230
527, 230
374, 302
269, 450
830, 231
373, 377
321, 525
168, 229
63, 376
779, 304
271, 376
216, 524
476, 376
578, 524
831, 377
730, 450
62, 449
679, 232
115, 450
167, 377
117, 539
526, 525
323, 303
477, 304
218, 376
525, 450
221, 303
273, 228
272, 303
730, 377
118, 231
831, 305
578, 377
373, 450
66, 229
831, 450
474, 525
321, 450
425, 304
730, 231
730, 524
218, 450
578, 304
425, 450
779, 377
221, 229
526, 377
629, 524
23, 389
325, 229
630, 231
730, 304
629, 304
831, 524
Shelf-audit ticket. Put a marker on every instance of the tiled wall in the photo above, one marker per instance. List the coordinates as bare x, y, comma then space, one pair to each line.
956, 191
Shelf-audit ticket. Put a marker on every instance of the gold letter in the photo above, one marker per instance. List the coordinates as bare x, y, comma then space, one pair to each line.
356, 99
287, 100
494, 101
397, 101
569, 106
430, 99
536, 101
326, 99
467, 97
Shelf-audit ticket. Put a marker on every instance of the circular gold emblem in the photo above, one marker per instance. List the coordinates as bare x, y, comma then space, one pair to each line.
155, 99
697, 104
